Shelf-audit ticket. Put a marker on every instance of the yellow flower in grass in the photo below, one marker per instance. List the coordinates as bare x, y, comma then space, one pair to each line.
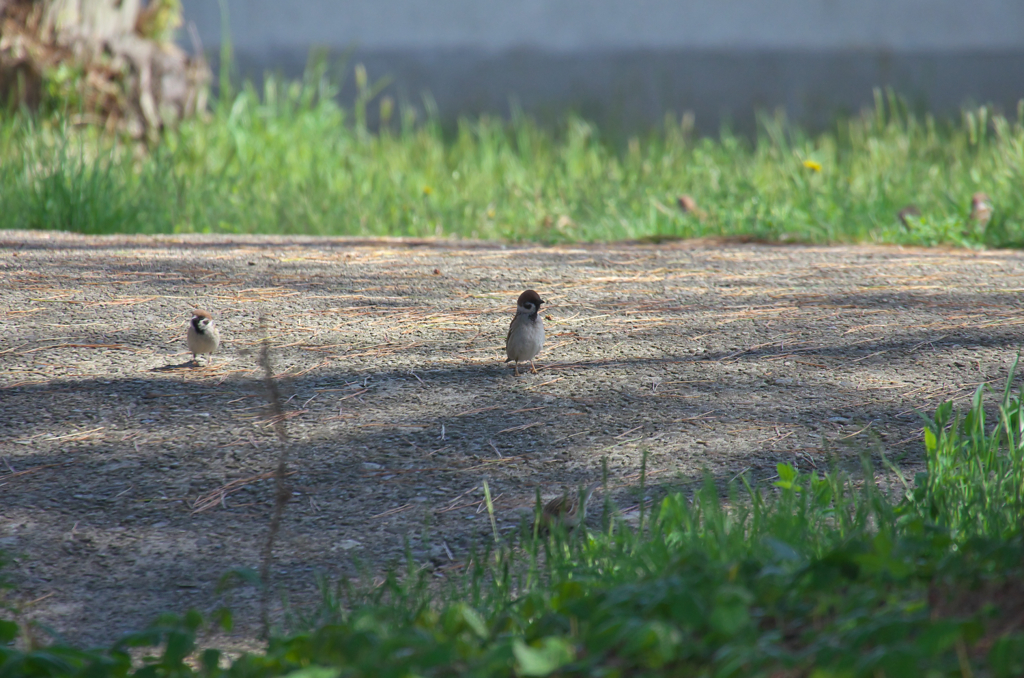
812, 165
427, 190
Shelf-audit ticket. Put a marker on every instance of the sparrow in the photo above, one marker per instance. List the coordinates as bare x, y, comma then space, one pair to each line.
202, 336
981, 210
526, 333
568, 511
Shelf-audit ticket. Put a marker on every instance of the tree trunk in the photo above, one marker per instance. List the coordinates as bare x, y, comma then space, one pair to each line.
111, 61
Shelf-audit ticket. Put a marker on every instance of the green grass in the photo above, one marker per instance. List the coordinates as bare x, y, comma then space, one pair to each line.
288, 159
824, 576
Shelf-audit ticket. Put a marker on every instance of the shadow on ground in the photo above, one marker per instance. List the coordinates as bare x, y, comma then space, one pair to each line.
129, 469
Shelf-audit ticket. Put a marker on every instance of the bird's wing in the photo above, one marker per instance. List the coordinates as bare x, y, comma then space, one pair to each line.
559, 505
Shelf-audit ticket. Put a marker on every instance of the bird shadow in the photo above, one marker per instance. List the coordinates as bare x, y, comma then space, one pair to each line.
188, 364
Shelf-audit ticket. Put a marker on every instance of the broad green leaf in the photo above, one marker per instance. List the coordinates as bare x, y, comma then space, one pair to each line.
552, 654
731, 612
929, 440
474, 621
1007, 656
315, 672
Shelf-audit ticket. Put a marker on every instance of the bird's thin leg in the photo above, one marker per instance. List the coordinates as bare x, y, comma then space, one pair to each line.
517, 368
533, 367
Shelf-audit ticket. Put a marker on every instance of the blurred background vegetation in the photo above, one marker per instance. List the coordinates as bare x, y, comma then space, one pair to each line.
108, 142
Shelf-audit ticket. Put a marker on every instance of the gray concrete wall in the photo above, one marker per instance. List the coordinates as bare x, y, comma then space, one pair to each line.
625, 63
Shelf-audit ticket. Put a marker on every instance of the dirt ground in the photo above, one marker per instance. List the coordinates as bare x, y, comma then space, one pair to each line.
131, 480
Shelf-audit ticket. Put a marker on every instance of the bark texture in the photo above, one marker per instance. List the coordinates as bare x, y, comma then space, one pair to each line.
111, 62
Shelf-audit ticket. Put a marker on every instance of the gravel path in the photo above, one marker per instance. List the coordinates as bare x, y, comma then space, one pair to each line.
131, 480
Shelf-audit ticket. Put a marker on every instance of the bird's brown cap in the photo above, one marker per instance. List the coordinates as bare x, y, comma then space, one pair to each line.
529, 296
